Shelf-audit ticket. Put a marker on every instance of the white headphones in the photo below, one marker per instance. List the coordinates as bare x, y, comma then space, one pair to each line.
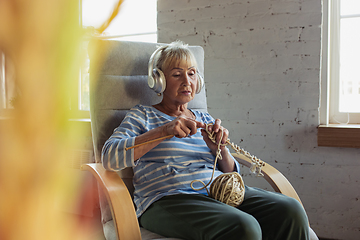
156, 77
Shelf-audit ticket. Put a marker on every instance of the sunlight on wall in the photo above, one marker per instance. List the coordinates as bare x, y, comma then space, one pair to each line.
43, 40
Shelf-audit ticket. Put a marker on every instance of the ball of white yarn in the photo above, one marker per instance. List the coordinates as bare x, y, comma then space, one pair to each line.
228, 188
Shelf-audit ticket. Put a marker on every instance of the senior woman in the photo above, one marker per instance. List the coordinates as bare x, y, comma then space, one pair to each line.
164, 169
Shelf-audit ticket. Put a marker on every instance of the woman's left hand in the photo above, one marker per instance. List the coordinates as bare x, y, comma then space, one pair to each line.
221, 135
226, 164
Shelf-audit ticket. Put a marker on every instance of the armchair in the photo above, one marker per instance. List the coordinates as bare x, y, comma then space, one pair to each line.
116, 84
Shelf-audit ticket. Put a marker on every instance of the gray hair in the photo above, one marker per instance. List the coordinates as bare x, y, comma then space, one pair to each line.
174, 53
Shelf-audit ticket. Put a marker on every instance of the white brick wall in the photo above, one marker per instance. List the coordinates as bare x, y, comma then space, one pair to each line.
262, 74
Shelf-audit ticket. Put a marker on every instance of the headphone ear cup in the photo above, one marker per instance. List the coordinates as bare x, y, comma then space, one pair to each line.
156, 78
200, 83
162, 81
157, 81
151, 80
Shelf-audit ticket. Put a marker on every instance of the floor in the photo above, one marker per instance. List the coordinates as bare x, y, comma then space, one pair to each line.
97, 230
90, 227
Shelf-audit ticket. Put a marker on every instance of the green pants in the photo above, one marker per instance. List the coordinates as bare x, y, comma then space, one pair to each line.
262, 215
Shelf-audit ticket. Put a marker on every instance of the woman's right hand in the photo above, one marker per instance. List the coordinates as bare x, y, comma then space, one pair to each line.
182, 127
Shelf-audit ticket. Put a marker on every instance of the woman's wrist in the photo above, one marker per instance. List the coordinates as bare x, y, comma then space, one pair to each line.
164, 130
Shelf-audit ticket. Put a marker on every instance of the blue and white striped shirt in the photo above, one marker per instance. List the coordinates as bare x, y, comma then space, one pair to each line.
167, 169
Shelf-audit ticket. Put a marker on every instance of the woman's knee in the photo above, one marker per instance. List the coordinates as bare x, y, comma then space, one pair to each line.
291, 209
252, 231
242, 228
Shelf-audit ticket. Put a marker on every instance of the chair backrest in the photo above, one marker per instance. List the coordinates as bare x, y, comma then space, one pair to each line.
118, 82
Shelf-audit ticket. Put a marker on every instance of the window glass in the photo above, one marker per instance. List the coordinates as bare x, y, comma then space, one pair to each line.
349, 95
135, 16
349, 7
136, 21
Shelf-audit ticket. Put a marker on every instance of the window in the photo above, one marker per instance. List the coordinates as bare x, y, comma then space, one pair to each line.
3, 100
8, 91
340, 75
136, 21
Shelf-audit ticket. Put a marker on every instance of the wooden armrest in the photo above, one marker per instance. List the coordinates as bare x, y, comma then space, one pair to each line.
277, 181
121, 204
275, 178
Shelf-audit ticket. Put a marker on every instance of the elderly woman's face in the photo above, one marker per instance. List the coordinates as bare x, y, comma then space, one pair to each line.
181, 83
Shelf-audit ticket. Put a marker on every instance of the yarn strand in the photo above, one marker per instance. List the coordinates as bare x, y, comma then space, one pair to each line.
228, 188
218, 156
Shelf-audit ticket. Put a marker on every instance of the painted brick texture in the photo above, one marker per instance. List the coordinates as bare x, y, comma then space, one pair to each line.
262, 74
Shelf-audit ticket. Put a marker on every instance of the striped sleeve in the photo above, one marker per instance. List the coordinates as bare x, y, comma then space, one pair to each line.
114, 156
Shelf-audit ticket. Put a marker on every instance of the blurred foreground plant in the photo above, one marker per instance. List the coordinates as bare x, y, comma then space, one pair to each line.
42, 37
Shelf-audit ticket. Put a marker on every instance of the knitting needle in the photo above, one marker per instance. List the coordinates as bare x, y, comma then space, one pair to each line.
147, 142
150, 141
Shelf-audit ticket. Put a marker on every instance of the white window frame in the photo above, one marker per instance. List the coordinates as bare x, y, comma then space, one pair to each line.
330, 82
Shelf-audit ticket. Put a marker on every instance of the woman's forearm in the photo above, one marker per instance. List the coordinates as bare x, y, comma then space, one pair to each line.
226, 164
150, 135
